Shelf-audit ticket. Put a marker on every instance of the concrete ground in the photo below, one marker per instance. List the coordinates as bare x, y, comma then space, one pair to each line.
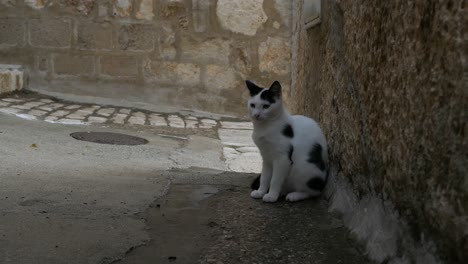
181, 198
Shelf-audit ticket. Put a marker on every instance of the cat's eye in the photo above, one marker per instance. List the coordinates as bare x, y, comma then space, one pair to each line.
252, 105
266, 106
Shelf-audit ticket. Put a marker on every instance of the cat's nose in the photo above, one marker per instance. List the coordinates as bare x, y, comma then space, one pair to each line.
257, 116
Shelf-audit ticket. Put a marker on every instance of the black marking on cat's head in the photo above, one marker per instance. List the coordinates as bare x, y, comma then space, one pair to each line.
315, 156
291, 150
256, 183
268, 96
253, 88
275, 88
288, 131
272, 94
316, 183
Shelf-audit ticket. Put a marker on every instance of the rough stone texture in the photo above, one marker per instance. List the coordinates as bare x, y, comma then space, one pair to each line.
136, 37
94, 36
220, 78
7, 3
36, 4
213, 50
273, 54
50, 32
11, 32
201, 15
65, 64
284, 9
83, 7
386, 82
241, 16
145, 10
173, 73
167, 47
130, 42
119, 66
11, 78
122, 8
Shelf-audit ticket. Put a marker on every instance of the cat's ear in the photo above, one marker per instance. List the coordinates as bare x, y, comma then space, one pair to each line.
275, 89
253, 88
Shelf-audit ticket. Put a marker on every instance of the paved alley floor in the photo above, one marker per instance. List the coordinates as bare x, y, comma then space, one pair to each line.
181, 198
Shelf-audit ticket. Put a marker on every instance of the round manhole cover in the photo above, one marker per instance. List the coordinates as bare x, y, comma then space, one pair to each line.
109, 138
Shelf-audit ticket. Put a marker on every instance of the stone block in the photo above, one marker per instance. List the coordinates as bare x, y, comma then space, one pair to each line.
207, 123
176, 121
275, 56
191, 123
284, 8
50, 32
106, 111
213, 50
36, 4
119, 66
200, 20
145, 10
173, 73
60, 113
96, 120
237, 125
7, 3
122, 8
11, 32
119, 118
238, 138
156, 120
200, 15
173, 9
11, 78
136, 37
241, 16
65, 64
94, 36
137, 118
103, 10
167, 43
218, 78
84, 7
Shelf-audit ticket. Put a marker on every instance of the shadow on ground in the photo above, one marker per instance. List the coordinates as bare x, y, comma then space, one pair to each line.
210, 223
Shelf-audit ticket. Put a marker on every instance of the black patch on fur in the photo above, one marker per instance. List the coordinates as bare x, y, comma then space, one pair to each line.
315, 156
288, 131
275, 88
267, 95
316, 184
256, 183
291, 150
253, 88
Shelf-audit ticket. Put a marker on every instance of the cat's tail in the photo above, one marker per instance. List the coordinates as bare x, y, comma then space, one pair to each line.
256, 183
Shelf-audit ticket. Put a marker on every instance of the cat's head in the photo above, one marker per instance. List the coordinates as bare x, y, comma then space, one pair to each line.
264, 104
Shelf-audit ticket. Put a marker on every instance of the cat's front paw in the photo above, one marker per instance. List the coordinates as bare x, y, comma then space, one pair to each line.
270, 198
257, 194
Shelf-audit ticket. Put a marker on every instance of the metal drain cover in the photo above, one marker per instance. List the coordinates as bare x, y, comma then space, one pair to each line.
109, 138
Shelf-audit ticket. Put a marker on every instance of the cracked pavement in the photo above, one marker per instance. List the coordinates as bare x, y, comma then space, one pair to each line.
181, 198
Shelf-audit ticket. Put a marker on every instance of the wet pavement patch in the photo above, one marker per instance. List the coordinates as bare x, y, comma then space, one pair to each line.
222, 224
109, 138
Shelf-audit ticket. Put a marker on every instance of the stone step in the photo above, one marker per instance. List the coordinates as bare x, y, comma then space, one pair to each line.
11, 78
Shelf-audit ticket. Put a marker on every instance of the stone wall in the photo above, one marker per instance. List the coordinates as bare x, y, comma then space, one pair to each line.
191, 53
387, 81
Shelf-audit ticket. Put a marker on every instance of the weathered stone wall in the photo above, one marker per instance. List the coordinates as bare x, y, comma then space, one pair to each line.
190, 53
387, 81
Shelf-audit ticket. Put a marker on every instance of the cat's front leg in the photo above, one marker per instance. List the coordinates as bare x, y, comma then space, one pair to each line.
281, 168
265, 179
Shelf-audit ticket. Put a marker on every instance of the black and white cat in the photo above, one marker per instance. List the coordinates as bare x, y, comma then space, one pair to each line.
293, 148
